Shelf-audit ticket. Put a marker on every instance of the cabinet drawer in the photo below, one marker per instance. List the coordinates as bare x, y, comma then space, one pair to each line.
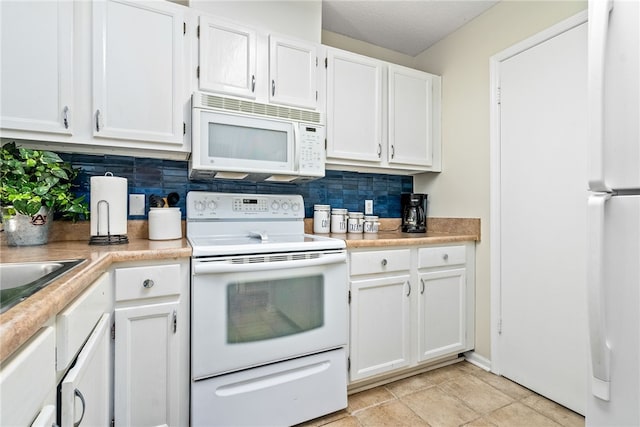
76, 321
147, 282
380, 261
27, 379
441, 256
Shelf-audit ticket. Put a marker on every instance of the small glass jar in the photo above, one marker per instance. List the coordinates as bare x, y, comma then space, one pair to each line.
371, 224
338, 220
321, 219
355, 222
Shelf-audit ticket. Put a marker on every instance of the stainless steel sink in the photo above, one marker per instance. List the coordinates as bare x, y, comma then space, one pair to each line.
22, 279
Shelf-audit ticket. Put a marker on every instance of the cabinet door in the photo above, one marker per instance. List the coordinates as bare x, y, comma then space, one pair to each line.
85, 397
410, 117
442, 313
28, 380
354, 107
36, 52
137, 71
227, 58
380, 328
292, 71
147, 373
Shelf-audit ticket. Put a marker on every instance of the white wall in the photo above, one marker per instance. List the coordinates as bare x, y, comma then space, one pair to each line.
298, 19
462, 59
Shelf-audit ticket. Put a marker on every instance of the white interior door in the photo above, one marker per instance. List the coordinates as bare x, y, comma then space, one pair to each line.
542, 218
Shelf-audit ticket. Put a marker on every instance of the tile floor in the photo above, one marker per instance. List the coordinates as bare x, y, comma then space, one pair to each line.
456, 395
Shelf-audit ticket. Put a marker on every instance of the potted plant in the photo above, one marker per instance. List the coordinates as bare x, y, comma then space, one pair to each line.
35, 184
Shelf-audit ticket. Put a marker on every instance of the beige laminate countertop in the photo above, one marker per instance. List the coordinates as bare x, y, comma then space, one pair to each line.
23, 320
20, 322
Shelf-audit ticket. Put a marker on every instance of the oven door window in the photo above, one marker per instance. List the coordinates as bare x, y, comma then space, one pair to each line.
267, 309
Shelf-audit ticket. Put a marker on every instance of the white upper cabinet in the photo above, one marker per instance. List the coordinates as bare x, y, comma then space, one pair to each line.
381, 116
293, 72
37, 66
137, 70
227, 58
410, 117
354, 107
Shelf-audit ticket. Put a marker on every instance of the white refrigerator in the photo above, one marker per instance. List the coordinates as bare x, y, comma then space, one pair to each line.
613, 219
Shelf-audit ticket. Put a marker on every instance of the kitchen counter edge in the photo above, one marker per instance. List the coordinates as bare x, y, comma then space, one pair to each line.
21, 322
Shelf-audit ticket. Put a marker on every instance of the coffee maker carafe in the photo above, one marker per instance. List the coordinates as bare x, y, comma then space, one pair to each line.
414, 212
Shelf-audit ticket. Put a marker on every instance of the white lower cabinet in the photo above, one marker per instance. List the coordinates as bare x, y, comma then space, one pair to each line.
28, 381
85, 392
409, 306
152, 345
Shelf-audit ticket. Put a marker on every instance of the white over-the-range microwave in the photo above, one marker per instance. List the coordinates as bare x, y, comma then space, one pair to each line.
238, 139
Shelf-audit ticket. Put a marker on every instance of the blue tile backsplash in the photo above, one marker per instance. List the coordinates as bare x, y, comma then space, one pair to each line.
161, 177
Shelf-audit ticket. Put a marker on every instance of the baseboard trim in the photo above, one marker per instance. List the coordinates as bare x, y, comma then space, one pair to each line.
480, 361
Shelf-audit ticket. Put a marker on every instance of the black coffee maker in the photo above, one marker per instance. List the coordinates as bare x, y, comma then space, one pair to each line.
414, 212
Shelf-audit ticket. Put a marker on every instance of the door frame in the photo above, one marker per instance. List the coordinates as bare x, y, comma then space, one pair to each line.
495, 63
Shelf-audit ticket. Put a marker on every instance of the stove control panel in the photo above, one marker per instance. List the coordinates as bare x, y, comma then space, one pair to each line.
209, 205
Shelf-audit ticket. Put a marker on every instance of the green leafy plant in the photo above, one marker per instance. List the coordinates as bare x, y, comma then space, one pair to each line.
31, 178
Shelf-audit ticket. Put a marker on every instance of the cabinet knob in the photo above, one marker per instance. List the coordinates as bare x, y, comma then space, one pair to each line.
445, 257
383, 262
148, 283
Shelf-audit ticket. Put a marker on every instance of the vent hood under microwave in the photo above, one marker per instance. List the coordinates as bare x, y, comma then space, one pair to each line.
236, 139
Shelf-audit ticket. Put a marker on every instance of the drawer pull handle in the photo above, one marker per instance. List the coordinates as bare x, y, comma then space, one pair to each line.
148, 283
383, 262
445, 257
77, 393
421, 286
409, 284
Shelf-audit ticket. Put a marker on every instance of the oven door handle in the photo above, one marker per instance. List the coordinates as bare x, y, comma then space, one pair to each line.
203, 267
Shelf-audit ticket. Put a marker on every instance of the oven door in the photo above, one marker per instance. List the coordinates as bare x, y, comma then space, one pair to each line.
256, 309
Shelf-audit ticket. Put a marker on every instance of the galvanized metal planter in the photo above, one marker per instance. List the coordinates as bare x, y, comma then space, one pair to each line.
25, 230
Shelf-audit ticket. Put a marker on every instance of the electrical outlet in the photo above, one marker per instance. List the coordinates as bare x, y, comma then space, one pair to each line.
368, 207
136, 204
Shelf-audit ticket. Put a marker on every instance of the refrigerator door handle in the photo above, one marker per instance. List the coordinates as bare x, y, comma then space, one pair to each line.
599, 347
597, 45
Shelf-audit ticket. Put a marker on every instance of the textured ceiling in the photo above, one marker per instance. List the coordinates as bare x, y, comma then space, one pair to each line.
404, 26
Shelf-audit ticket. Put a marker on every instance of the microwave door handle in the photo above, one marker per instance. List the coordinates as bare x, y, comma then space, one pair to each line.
204, 267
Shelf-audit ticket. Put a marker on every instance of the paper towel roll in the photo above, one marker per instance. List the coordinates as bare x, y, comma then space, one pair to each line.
112, 190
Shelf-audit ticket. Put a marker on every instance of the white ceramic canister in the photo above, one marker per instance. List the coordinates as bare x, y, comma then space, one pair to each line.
371, 224
338, 220
165, 224
321, 218
355, 222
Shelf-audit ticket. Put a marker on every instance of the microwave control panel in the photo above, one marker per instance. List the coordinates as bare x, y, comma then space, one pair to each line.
312, 154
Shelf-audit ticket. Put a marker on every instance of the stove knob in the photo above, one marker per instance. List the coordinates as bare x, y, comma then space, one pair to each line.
285, 206
212, 205
275, 205
199, 205
295, 207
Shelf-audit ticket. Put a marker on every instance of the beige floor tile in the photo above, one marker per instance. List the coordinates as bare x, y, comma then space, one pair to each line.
480, 422
349, 421
440, 375
508, 387
556, 412
367, 398
476, 394
392, 414
518, 414
438, 408
410, 385
325, 419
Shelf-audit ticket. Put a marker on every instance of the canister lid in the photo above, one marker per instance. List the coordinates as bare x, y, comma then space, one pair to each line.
356, 215
339, 211
321, 207
370, 218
